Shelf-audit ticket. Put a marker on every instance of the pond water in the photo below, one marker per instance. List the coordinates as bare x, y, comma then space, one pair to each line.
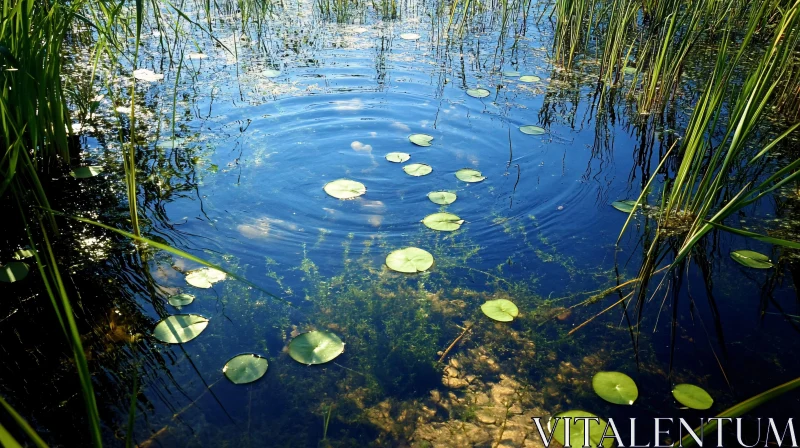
264, 119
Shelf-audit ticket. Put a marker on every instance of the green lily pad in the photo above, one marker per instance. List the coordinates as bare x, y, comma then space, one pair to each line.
397, 157
420, 139
530, 78
13, 272
442, 197
83, 172
245, 368
409, 36
446, 222
271, 73
576, 429
22, 254
751, 259
615, 387
629, 70
625, 206
500, 310
511, 74
180, 299
417, 169
692, 396
409, 260
315, 347
532, 130
204, 277
345, 189
469, 175
478, 93
180, 328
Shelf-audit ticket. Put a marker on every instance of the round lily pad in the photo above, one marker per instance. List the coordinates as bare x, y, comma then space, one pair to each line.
409, 36
144, 74
442, 197
315, 347
478, 93
13, 272
409, 260
245, 368
397, 157
529, 78
446, 222
180, 299
629, 70
204, 277
271, 73
83, 172
417, 169
180, 328
615, 387
751, 259
576, 429
625, 206
511, 73
692, 396
500, 310
420, 139
532, 130
469, 175
345, 189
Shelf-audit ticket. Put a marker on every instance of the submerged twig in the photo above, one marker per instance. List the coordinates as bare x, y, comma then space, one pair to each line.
466, 329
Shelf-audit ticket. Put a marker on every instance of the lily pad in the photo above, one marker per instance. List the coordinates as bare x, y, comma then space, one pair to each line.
446, 222
751, 259
629, 70
83, 172
511, 73
469, 175
271, 73
576, 429
532, 130
420, 139
245, 368
144, 74
478, 93
417, 169
501, 310
345, 189
180, 299
13, 272
397, 157
22, 254
442, 197
409, 36
180, 328
315, 347
409, 260
615, 387
530, 78
204, 277
625, 206
692, 396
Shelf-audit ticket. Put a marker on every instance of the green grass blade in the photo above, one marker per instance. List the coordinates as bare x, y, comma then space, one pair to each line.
26, 428
757, 236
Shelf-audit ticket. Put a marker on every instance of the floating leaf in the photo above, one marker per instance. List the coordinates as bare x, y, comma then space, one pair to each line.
13, 272
194, 56
345, 189
446, 222
478, 93
576, 429
442, 197
22, 254
500, 310
417, 169
615, 387
245, 368
751, 259
315, 347
409, 260
180, 299
511, 73
83, 172
629, 70
529, 78
469, 175
397, 157
204, 277
625, 206
180, 328
532, 130
409, 36
144, 74
271, 73
692, 396
420, 139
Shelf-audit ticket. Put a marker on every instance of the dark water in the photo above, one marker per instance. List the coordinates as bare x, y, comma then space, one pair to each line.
241, 186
